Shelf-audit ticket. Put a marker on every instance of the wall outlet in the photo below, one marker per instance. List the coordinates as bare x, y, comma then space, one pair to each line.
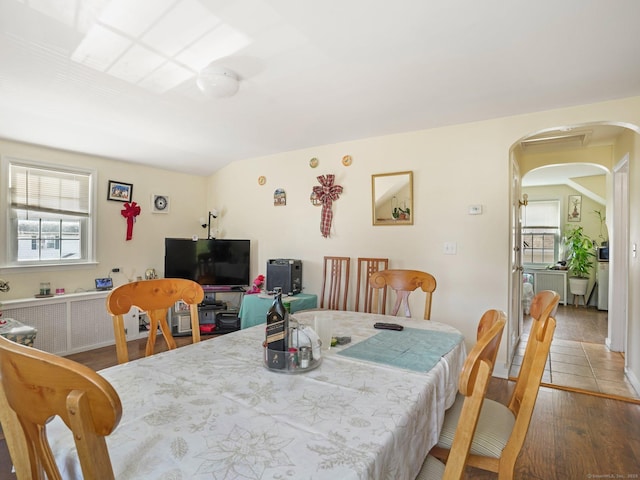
115, 270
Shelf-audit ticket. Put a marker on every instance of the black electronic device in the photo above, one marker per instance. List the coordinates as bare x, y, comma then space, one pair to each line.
104, 284
286, 274
210, 262
227, 321
388, 326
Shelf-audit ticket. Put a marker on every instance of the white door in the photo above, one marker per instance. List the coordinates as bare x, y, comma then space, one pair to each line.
619, 260
514, 327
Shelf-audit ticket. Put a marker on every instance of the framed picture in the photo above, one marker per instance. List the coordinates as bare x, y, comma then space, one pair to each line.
279, 197
119, 191
574, 208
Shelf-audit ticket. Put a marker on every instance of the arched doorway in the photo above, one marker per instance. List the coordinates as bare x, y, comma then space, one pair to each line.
566, 148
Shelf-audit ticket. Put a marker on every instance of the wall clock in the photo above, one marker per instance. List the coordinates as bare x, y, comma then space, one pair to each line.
159, 203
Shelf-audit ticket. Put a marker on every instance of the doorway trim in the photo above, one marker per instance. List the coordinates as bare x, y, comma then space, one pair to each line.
619, 261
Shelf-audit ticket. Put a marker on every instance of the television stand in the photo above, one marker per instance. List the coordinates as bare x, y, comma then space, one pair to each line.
215, 315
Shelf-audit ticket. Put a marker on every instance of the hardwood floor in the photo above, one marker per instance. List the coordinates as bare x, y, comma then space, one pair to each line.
572, 435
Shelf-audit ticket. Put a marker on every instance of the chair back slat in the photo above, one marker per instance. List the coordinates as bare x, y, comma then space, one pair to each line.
366, 268
335, 283
403, 282
155, 297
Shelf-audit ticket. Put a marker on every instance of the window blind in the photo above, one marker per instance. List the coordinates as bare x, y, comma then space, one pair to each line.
44, 190
545, 213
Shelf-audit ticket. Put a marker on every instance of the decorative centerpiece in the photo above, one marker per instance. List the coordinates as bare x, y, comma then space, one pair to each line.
302, 354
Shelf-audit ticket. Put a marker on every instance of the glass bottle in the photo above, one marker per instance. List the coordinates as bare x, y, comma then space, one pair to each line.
277, 333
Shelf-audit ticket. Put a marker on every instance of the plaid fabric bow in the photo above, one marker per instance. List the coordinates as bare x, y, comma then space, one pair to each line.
327, 193
130, 212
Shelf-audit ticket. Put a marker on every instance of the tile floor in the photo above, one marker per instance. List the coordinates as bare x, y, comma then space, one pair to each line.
578, 358
583, 366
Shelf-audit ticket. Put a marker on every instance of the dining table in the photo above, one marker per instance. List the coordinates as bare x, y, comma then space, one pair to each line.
371, 408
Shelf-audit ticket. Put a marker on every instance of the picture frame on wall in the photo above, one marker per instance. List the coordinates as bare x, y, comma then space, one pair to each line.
574, 208
119, 191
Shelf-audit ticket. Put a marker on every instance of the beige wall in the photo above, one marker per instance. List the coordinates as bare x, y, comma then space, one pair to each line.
187, 194
454, 167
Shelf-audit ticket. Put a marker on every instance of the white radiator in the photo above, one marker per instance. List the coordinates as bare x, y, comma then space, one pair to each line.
555, 280
66, 324
546, 281
50, 321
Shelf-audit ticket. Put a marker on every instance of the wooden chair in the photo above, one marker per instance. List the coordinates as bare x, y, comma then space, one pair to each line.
155, 297
403, 282
473, 383
335, 283
366, 267
501, 429
539, 305
37, 386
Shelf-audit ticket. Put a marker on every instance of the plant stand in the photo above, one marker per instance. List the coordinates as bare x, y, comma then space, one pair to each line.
578, 288
576, 300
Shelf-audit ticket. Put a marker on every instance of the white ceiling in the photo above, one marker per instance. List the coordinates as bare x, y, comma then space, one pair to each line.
561, 174
117, 77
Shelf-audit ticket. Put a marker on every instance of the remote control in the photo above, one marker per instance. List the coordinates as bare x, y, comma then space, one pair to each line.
388, 326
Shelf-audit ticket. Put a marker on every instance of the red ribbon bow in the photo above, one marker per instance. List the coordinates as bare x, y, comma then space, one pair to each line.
327, 193
130, 212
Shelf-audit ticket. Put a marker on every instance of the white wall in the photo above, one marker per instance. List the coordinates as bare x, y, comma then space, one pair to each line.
454, 167
186, 193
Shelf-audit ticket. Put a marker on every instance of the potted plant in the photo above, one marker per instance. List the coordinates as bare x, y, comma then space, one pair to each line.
579, 248
400, 213
603, 227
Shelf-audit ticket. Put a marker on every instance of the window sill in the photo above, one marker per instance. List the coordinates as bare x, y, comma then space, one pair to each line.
47, 267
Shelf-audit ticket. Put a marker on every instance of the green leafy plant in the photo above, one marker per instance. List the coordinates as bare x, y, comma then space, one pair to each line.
580, 252
399, 212
603, 227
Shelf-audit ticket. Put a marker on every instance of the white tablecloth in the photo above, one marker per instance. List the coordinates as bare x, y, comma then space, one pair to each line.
213, 411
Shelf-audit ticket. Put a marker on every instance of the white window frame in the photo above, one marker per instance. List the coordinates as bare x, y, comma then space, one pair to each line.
88, 236
542, 227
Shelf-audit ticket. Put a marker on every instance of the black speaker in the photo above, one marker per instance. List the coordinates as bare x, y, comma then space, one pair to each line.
286, 274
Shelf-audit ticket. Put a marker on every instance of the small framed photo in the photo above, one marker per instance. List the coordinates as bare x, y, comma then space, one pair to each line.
574, 208
119, 191
181, 306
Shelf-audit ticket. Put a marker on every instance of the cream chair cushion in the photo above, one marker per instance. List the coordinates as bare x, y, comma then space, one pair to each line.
432, 469
492, 433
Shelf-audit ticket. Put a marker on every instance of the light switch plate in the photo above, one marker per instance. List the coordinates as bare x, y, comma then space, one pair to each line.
450, 248
475, 209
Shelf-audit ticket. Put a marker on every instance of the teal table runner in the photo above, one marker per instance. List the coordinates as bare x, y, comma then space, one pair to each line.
254, 308
411, 349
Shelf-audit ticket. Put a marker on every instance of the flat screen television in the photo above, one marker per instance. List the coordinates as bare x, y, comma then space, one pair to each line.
213, 262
